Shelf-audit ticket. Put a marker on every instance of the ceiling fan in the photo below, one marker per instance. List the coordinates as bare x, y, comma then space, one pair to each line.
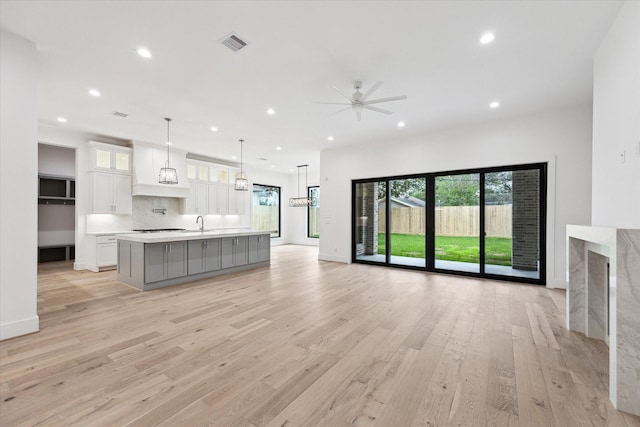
358, 101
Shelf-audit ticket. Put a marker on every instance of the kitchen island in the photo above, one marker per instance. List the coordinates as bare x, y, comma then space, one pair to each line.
154, 260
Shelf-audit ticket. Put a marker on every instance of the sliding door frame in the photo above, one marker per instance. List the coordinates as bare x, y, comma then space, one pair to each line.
430, 221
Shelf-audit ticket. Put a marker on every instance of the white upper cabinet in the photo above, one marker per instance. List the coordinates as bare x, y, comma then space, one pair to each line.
219, 174
109, 157
110, 193
198, 201
238, 201
221, 199
212, 190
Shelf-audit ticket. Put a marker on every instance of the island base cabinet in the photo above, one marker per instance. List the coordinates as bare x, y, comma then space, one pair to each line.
259, 248
235, 251
130, 262
148, 266
203, 256
163, 261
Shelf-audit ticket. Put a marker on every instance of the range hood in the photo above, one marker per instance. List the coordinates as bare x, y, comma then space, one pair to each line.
147, 161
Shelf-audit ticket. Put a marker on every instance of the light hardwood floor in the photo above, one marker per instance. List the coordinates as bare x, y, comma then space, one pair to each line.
303, 343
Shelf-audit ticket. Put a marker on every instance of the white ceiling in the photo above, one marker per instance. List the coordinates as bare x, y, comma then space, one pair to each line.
430, 51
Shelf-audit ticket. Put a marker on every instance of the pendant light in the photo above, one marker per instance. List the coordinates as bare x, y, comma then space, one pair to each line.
168, 175
297, 202
242, 183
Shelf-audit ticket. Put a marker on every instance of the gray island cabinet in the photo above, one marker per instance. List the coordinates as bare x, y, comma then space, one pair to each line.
156, 260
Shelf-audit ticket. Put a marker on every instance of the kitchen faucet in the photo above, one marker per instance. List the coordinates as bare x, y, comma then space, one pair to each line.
202, 226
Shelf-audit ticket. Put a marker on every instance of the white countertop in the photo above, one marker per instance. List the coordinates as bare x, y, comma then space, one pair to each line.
174, 236
107, 233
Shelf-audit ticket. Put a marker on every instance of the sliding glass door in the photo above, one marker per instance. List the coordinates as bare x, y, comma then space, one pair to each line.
512, 223
483, 222
457, 222
407, 221
370, 221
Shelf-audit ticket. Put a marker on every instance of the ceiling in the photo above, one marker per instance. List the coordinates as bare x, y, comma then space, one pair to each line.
541, 59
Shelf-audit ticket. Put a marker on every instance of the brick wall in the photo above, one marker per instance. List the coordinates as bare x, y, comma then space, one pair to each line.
367, 220
526, 219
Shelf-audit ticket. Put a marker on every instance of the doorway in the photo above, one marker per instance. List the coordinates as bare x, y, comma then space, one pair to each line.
56, 204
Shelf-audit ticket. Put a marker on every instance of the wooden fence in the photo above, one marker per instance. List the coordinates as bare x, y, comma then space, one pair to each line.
314, 221
265, 218
450, 220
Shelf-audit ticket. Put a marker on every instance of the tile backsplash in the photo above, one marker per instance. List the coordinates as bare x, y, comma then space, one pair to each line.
144, 217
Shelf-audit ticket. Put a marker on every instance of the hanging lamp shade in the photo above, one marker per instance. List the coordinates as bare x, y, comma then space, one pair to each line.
168, 175
298, 202
242, 183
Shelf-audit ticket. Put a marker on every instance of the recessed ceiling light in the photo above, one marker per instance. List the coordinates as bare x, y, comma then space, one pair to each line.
94, 92
62, 120
233, 157
273, 166
168, 142
330, 138
271, 111
214, 129
290, 170
400, 124
487, 38
144, 52
494, 104
278, 148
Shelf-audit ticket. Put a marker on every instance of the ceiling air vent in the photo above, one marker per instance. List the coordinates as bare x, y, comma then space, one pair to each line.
234, 42
119, 114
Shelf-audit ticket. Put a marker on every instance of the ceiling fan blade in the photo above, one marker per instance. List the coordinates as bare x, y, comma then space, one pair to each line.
332, 103
340, 92
379, 110
339, 111
393, 98
370, 91
358, 115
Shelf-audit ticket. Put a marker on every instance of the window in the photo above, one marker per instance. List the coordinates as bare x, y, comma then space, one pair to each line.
487, 222
266, 208
313, 213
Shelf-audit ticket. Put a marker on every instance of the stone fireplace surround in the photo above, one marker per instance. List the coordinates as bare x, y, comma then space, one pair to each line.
588, 249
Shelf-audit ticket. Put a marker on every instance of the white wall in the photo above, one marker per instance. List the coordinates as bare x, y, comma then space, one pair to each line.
297, 217
18, 187
616, 123
562, 138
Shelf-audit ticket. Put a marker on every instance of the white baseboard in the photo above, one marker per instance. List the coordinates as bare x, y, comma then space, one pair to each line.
84, 266
556, 284
21, 327
304, 243
334, 258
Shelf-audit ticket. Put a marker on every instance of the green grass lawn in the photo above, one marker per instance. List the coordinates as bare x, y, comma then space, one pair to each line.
450, 248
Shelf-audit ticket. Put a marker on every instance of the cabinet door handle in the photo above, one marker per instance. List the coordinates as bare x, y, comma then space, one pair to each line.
169, 247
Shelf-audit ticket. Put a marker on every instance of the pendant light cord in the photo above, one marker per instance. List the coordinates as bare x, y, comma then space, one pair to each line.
168, 141
306, 179
241, 143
